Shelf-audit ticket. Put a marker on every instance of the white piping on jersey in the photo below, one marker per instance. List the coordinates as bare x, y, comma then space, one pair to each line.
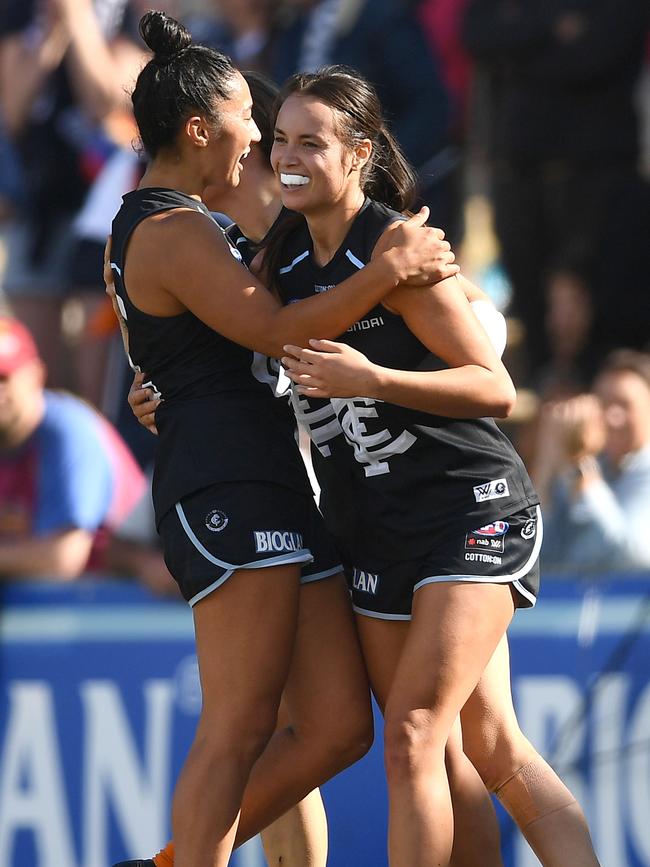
350, 255
290, 267
116, 268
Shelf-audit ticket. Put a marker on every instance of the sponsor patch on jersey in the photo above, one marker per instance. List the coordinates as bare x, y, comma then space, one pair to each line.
277, 541
367, 324
366, 582
318, 288
216, 521
481, 557
529, 529
493, 490
491, 537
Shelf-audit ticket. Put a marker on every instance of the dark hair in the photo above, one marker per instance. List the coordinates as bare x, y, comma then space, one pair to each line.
265, 97
387, 177
627, 361
181, 78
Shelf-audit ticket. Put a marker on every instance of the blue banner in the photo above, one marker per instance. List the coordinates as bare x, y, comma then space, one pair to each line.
100, 699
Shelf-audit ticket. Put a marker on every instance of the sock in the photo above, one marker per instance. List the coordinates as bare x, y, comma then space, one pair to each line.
165, 858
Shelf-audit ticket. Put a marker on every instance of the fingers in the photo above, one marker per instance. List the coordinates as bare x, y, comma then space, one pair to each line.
108, 271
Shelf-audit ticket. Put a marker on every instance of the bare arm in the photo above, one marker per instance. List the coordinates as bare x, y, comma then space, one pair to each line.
24, 66
62, 555
94, 73
180, 261
475, 384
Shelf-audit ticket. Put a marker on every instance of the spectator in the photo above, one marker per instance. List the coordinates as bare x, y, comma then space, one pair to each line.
134, 549
564, 133
65, 475
61, 97
593, 472
240, 28
385, 42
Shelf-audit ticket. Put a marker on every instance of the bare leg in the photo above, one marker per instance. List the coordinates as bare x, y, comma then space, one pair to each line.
544, 809
328, 702
453, 633
476, 837
299, 838
245, 633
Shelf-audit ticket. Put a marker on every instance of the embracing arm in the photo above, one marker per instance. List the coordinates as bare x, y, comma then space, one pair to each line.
475, 384
185, 253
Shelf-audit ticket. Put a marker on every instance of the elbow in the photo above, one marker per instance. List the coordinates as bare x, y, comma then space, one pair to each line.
505, 401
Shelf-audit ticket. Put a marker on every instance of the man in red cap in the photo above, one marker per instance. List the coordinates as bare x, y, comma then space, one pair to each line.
65, 474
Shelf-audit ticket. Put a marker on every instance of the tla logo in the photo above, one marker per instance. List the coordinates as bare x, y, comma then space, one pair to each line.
493, 490
365, 581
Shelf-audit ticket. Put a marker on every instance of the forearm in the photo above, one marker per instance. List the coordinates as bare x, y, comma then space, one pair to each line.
470, 391
23, 69
59, 555
331, 313
93, 70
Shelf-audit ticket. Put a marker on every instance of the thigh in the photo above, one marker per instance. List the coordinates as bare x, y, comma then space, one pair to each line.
382, 643
245, 639
327, 677
454, 631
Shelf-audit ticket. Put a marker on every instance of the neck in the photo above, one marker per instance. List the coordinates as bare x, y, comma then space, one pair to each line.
173, 175
329, 228
253, 212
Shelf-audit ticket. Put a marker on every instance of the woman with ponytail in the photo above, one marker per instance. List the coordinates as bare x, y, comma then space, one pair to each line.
430, 505
232, 500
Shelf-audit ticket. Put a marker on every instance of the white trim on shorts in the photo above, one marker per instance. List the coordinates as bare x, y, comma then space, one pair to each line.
498, 579
318, 576
303, 555
380, 615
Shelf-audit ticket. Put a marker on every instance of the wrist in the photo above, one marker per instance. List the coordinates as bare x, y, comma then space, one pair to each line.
377, 379
391, 267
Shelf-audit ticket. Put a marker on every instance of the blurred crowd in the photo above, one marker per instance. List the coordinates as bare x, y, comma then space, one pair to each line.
529, 127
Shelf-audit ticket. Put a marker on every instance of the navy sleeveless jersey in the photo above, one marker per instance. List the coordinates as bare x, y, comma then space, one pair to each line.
394, 475
219, 420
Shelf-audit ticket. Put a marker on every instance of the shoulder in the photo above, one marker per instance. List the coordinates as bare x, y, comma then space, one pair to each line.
370, 224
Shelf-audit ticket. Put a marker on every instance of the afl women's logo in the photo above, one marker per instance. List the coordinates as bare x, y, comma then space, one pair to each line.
216, 521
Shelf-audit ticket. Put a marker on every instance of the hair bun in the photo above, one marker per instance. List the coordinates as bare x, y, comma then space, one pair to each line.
164, 35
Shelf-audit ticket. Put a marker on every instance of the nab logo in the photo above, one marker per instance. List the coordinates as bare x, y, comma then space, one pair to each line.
491, 537
493, 490
365, 581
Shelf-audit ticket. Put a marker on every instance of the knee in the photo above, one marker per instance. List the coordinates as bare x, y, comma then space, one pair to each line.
234, 737
340, 739
412, 745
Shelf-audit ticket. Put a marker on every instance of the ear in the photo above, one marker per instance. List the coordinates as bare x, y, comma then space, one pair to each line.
361, 154
196, 129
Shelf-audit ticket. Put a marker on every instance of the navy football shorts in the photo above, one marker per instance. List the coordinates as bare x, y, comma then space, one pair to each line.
503, 552
213, 532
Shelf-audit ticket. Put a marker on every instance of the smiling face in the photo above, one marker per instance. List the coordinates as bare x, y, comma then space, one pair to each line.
232, 142
315, 168
625, 397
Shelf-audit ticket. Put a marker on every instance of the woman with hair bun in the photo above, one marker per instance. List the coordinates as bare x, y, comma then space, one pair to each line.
232, 500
